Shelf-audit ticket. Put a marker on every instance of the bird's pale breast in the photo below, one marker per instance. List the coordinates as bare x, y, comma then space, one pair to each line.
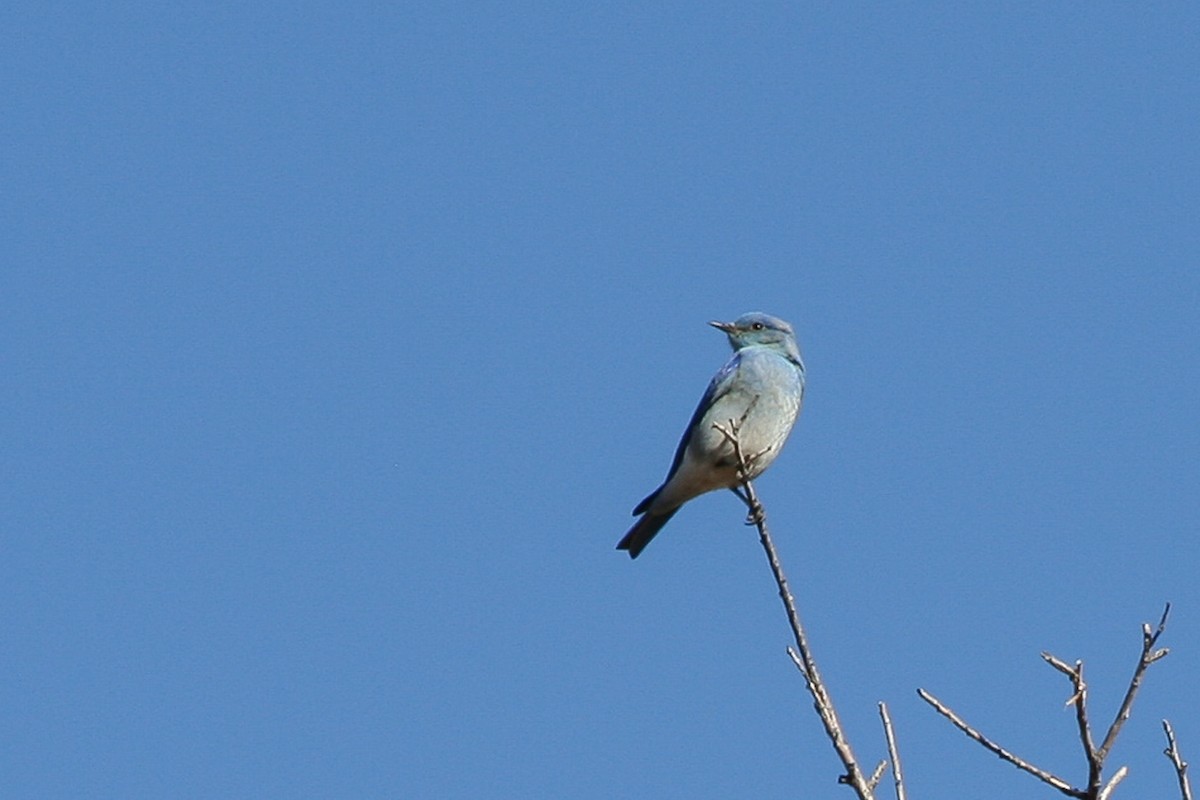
763, 402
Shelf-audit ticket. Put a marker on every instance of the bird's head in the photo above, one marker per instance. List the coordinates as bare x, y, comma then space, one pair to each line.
757, 328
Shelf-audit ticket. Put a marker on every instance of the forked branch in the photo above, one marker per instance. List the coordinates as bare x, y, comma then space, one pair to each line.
1097, 788
1148, 657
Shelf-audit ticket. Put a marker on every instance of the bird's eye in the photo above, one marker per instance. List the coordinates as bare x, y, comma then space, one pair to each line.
758, 326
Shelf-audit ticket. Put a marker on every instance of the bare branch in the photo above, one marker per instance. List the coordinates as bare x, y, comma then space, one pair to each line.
1059, 664
880, 768
1148, 657
1117, 777
1016, 761
799, 662
802, 656
1079, 700
1097, 788
1172, 752
893, 753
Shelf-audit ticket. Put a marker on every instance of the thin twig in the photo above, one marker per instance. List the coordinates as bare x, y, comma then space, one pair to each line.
1117, 777
1016, 761
1079, 700
1172, 752
893, 753
797, 660
880, 768
802, 656
1148, 657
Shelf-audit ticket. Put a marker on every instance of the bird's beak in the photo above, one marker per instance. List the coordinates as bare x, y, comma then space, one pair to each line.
727, 327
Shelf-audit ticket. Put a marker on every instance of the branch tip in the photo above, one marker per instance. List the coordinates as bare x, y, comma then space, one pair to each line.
1181, 766
873, 781
893, 752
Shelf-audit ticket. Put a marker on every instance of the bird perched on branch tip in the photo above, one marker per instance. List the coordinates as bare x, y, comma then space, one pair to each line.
759, 391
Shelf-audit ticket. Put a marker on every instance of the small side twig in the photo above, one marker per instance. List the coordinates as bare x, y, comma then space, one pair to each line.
1181, 766
893, 753
802, 655
1018, 762
1117, 777
877, 775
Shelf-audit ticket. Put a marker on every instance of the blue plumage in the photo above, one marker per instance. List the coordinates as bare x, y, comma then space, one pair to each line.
761, 388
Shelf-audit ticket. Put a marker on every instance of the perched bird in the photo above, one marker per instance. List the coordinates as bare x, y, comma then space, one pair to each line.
760, 389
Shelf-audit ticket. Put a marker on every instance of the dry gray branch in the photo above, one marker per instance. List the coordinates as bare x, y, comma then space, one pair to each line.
1018, 762
1117, 777
880, 768
1097, 788
1148, 657
1079, 700
802, 656
893, 753
1172, 752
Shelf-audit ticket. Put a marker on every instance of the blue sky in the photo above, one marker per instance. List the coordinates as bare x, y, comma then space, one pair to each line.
340, 340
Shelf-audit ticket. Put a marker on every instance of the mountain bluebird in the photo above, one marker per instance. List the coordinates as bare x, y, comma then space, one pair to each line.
760, 389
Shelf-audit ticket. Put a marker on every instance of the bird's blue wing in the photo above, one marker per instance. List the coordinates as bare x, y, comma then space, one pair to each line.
718, 387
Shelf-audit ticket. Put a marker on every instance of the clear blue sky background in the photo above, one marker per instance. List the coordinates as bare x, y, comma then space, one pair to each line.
339, 340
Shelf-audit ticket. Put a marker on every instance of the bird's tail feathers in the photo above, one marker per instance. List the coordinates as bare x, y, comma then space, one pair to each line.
646, 501
644, 530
